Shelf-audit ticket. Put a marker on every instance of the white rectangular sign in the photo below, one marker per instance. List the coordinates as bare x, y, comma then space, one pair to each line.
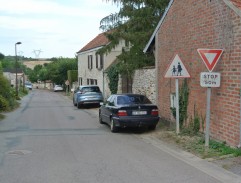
210, 79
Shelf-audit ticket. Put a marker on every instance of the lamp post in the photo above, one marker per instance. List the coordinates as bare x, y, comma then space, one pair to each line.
16, 60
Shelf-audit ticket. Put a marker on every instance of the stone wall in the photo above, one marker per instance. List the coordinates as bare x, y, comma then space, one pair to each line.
144, 82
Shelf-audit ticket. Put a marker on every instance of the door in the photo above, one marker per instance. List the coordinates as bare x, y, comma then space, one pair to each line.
126, 84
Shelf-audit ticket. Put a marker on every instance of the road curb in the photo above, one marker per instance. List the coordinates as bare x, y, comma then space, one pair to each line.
201, 164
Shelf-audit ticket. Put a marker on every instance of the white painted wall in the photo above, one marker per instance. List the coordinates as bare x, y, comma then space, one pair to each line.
94, 73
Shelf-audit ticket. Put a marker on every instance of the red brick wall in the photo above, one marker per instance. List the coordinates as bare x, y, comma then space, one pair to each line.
193, 24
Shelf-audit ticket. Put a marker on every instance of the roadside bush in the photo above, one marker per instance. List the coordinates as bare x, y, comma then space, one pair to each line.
4, 105
7, 92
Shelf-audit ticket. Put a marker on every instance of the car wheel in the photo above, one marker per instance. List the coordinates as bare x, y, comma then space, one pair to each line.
79, 105
113, 128
153, 127
100, 119
74, 103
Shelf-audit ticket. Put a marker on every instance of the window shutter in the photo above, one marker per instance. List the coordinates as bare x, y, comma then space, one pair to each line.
96, 59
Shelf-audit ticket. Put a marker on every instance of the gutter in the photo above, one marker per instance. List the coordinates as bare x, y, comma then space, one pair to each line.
158, 26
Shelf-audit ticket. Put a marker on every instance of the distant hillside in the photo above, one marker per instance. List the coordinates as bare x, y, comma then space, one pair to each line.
32, 64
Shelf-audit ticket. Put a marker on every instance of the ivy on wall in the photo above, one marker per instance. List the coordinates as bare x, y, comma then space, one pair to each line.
113, 75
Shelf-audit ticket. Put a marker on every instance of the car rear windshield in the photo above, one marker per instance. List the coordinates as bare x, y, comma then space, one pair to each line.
130, 99
90, 89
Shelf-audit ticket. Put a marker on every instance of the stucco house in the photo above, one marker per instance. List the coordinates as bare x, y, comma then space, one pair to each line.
186, 26
92, 67
10, 74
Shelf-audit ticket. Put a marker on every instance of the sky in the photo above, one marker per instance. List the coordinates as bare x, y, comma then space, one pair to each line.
53, 28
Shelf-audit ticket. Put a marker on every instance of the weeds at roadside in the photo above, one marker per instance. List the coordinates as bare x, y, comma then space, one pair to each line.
1, 117
195, 144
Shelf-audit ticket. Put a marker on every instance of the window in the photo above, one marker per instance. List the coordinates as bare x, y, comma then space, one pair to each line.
91, 89
80, 81
110, 101
90, 61
91, 81
127, 44
99, 59
132, 99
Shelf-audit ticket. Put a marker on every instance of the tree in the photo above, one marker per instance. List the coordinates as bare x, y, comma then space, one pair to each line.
55, 71
134, 23
1, 56
8, 62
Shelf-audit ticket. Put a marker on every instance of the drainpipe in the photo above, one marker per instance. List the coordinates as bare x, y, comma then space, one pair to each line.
239, 146
103, 90
103, 82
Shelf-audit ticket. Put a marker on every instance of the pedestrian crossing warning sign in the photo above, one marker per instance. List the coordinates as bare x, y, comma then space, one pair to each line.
177, 69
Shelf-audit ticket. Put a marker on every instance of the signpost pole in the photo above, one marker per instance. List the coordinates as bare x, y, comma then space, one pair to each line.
177, 108
207, 117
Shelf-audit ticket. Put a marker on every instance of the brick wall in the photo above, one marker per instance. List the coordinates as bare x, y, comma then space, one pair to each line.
192, 24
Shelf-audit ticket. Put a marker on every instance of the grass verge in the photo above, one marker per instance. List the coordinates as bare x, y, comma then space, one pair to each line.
195, 144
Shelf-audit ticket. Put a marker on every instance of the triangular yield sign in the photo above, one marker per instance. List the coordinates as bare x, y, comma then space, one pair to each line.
177, 69
210, 57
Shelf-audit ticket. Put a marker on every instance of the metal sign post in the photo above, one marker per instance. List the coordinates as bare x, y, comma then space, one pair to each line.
209, 79
207, 133
177, 108
176, 70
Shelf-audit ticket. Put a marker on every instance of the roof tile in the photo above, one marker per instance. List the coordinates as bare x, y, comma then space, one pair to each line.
100, 40
237, 3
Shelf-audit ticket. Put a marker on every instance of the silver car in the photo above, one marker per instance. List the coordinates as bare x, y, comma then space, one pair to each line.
87, 95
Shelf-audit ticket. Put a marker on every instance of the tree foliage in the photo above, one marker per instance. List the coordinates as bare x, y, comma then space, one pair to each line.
7, 95
134, 23
55, 71
1, 56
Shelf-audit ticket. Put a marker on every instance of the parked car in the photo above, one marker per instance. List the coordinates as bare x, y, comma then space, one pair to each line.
128, 110
58, 88
29, 85
87, 95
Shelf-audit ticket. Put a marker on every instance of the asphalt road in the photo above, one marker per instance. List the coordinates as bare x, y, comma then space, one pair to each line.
48, 140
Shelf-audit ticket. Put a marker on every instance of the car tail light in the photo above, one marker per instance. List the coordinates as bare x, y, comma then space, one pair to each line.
122, 113
154, 112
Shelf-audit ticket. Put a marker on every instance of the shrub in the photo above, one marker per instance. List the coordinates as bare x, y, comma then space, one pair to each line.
4, 105
7, 92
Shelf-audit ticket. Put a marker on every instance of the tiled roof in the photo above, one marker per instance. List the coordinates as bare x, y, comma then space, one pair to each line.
100, 40
236, 3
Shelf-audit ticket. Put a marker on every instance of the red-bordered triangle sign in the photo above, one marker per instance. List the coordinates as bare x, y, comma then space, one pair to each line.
210, 57
177, 69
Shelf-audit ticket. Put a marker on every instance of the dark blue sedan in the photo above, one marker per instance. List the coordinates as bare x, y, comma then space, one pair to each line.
128, 110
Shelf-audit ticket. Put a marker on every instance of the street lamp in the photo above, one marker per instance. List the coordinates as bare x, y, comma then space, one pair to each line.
16, 60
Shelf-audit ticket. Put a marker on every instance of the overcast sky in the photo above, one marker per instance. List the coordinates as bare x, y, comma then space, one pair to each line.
59, 28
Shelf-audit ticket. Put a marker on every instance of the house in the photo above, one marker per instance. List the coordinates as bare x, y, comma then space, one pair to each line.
186, 26
92, 66
12, 74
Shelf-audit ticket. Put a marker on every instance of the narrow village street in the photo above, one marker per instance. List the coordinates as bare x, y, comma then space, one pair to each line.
49, 140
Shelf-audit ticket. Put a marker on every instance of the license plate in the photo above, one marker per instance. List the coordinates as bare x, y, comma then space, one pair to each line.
139, 112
